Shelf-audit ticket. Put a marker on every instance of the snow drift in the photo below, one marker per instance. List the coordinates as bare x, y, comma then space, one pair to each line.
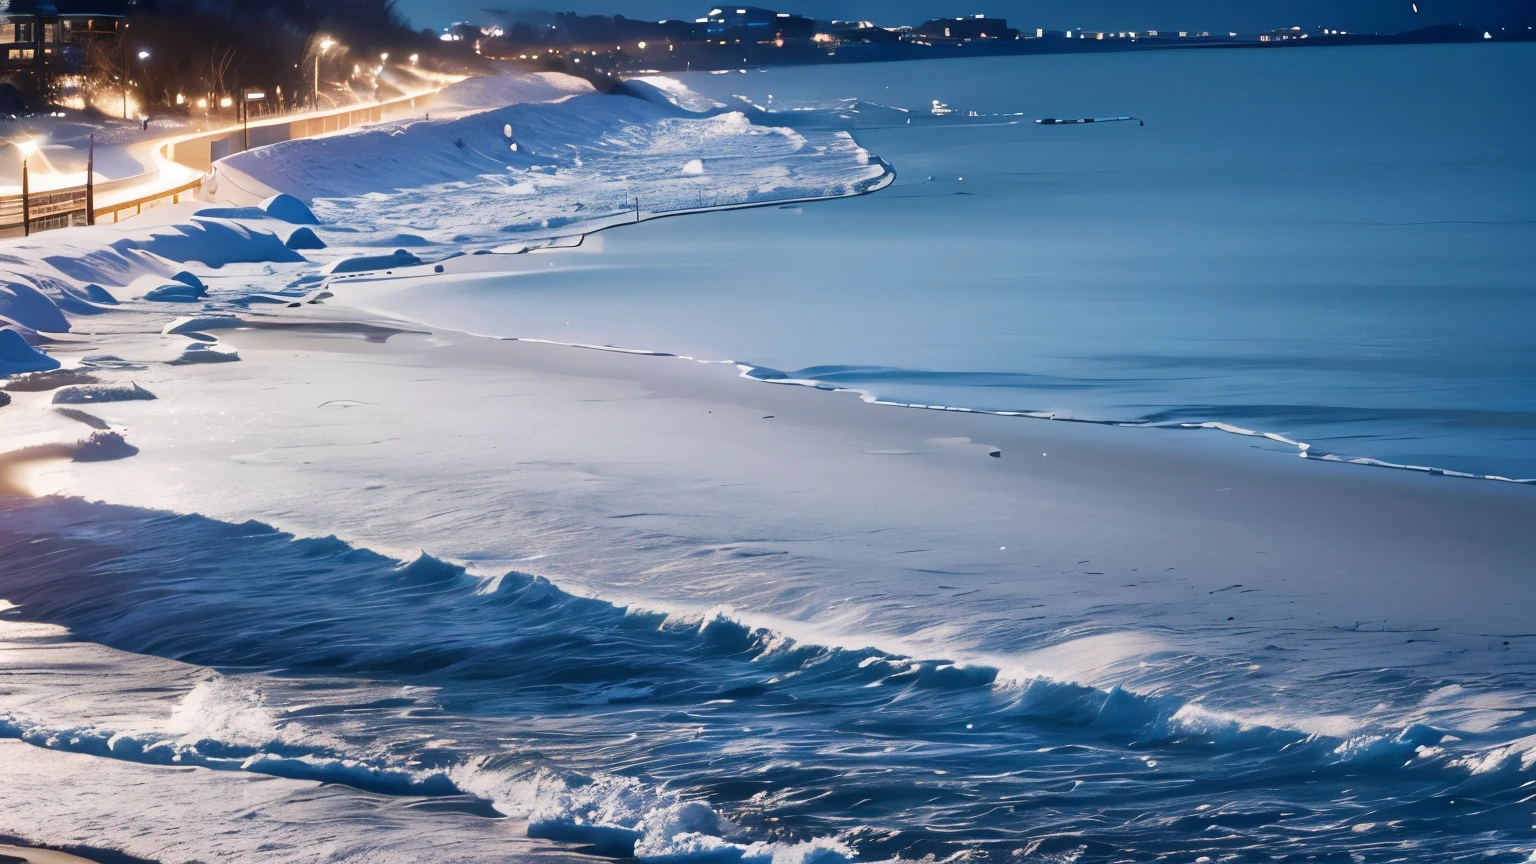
568, 166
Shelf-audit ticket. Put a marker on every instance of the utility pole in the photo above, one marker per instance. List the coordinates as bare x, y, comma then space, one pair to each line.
245, 117
122, 45
90, 182
26, 201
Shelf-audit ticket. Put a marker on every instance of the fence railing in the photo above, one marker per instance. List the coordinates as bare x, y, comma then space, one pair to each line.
62, 208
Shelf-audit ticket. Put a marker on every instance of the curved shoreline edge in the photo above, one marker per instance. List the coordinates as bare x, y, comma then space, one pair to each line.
767, 375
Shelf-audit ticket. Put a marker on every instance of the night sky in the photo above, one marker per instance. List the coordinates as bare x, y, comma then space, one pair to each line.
1244, 16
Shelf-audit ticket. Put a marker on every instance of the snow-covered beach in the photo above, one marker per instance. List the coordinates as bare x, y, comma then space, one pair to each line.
341, 577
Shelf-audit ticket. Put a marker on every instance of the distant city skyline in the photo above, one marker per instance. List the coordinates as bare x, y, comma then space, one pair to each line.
1246, 16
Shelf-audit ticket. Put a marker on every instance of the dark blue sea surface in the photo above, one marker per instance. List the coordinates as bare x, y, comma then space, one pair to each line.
1336, 246
637, 733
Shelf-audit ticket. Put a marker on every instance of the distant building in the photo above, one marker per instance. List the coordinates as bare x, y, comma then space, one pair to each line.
43, 38
961, 29
754, 24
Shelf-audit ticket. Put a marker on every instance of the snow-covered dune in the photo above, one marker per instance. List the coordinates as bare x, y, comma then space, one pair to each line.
556, 167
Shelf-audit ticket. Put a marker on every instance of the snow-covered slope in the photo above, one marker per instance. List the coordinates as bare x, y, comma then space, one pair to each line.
538, 169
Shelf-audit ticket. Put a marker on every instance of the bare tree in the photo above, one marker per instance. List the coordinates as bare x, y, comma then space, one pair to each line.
214, 66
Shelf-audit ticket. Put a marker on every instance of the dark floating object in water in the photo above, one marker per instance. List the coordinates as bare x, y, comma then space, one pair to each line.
1052, 121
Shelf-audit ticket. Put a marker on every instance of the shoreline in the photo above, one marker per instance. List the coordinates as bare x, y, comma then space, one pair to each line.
695, 381
768, 375
14, 850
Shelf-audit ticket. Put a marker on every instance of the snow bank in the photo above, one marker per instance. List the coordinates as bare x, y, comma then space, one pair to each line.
214, 243
580, 163
670, 91
479, 94
31, 336
28, 306
16, 356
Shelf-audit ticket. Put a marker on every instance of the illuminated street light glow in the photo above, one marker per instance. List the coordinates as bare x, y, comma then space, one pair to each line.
384, 56
327, 44
642, 46
27, 147
143, 55
226, 102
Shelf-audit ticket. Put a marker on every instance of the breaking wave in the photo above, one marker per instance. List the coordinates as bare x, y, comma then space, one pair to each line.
677, 736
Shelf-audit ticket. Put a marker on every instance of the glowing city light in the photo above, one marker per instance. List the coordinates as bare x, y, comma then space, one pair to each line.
143, 55
27, 147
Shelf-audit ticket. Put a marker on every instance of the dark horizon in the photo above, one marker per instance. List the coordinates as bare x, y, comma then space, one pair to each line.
1383, 16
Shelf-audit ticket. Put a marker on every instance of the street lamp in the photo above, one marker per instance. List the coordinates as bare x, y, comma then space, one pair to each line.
143, 55
325, 45
27, 148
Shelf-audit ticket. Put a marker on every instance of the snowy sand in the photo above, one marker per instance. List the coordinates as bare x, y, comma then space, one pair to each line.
381, 585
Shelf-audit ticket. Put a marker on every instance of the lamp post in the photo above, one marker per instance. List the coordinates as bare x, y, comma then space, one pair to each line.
325, 45
143, 55
27, 148
90, 182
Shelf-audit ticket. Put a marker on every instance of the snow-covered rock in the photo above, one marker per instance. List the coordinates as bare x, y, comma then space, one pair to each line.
187, 277
304, 238
202, 352
289, 209
397, 258
87, 394
176, 292
16, 356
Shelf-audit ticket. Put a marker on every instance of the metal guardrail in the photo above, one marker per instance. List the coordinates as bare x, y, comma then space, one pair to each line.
62, 208
137, 205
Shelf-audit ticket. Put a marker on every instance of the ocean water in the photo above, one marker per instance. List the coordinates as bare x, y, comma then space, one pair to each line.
635, 733
1335, 246
1330, 245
